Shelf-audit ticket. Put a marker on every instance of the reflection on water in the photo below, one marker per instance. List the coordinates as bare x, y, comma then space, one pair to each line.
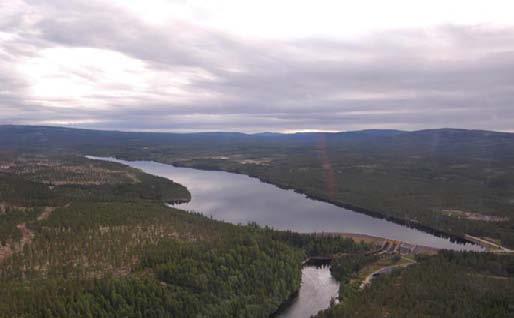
240, 199
318, 289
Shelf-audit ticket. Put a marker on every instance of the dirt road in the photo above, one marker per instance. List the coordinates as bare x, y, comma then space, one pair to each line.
385, 270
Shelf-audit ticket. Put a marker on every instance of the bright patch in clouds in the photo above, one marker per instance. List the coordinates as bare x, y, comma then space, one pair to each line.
71, 77
264, 65
99, 78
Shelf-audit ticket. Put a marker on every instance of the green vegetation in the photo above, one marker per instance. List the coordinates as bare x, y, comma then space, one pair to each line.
109, 247
94, 239
414, 189
450, 284
344, 266
410, 177
414, 178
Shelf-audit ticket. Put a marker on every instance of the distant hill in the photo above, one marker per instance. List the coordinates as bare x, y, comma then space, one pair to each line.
456, 143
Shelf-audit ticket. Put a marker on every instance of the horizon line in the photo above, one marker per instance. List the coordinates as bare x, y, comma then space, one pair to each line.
290, 132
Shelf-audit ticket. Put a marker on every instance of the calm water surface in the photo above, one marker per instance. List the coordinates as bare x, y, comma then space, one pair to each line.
318, 288
241, 199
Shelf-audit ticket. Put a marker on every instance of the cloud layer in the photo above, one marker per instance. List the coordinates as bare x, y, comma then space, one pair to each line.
124, 65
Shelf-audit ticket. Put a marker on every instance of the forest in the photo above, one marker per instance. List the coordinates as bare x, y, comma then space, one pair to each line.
83, 238
87, 238
450, 284
448, 181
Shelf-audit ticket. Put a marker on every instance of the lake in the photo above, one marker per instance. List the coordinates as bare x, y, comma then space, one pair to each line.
240, 199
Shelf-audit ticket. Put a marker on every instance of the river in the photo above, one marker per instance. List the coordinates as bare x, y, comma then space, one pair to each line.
237, 198
317, 290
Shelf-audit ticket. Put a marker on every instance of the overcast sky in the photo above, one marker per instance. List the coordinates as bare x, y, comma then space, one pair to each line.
261, 65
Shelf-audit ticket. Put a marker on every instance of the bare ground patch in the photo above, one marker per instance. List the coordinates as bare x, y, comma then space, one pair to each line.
11, 248
473, 216
46, 213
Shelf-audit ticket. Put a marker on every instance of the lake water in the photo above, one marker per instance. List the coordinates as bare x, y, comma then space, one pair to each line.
241, 199
237, 198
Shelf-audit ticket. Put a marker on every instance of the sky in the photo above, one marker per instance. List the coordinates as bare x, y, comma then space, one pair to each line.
255, 66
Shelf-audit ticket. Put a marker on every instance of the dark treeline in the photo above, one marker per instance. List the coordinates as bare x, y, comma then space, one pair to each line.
319, 244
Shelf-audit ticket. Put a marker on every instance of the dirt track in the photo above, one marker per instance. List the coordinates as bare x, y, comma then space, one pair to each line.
46, 213
384, 270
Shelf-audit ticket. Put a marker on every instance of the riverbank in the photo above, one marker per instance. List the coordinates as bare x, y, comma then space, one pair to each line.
286, 304
388, 255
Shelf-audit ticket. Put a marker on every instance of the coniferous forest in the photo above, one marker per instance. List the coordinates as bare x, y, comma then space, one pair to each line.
85, 238
82, 238
451, 284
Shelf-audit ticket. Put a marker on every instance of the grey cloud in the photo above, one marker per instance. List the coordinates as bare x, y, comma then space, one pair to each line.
395, 79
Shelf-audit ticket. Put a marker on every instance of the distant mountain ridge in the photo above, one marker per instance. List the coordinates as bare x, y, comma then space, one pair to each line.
376, 132
446, 142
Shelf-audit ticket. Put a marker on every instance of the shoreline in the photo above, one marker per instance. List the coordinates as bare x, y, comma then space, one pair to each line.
286, 303
465, 239
378, 215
